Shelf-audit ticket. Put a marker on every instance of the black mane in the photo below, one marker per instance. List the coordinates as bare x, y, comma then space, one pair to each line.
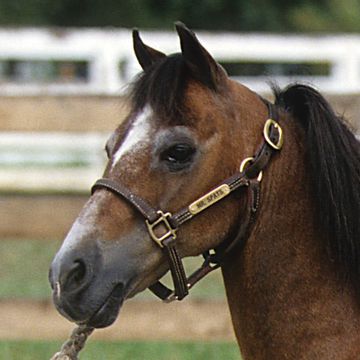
162, 86
333, 155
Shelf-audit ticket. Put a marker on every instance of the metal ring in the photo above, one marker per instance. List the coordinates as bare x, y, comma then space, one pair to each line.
278, 145
245, 162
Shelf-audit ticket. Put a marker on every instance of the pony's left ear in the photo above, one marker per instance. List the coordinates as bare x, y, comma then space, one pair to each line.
146, 55
202, 65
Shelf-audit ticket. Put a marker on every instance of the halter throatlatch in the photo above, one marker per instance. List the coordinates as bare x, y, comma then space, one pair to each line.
162, 226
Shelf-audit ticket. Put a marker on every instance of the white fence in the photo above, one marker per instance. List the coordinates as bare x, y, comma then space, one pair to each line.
51, 161
89, 61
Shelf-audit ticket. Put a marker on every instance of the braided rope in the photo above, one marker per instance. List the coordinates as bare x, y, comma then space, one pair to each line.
71, 348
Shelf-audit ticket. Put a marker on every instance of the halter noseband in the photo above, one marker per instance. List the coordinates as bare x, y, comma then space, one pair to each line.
163, 226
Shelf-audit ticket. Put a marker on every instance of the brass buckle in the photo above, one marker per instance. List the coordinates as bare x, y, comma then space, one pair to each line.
163, 220
172, 297
245, 162
266, 132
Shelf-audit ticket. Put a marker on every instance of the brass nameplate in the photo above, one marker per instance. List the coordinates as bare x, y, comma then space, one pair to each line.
209, 199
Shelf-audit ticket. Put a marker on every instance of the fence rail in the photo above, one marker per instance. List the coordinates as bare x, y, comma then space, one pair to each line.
50, 162
90, 61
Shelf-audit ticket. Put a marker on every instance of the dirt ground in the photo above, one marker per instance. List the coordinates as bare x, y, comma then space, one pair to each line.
138, 320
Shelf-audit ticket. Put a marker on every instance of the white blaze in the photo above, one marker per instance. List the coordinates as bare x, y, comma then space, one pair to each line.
136, 138
85, 224
137, 135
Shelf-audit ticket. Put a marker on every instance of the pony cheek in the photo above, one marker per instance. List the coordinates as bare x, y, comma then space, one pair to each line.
205, 231
216, 226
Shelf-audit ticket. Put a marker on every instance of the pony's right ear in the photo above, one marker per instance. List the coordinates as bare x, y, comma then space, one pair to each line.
202, 65
145, 54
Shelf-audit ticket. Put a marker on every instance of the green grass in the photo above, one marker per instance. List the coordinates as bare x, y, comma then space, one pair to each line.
24, 268
24, 274
96, 350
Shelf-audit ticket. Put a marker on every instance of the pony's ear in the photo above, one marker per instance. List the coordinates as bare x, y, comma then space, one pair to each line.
145, 54
202, 65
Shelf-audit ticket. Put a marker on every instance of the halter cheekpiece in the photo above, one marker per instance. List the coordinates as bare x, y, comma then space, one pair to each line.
162, 226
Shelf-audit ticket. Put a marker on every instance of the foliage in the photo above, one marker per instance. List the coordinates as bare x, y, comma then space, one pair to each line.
235, 15
330, 16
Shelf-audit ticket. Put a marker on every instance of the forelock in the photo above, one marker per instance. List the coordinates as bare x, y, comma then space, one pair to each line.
163, 87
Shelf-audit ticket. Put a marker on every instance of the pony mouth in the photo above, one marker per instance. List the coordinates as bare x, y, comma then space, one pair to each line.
109, 310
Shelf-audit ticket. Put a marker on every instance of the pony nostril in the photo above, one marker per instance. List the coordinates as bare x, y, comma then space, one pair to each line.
50, 277
75, 276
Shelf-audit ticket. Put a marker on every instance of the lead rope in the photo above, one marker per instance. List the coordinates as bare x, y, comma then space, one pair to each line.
71, 348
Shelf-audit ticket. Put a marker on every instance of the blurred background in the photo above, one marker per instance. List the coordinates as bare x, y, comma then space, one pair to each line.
64, 67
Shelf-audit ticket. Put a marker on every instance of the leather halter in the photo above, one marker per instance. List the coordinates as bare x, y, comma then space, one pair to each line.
163, 226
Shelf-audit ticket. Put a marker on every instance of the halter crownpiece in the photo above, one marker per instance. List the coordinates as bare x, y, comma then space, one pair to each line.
162, 226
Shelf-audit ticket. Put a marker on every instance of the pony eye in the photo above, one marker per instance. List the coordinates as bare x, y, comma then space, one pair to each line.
178, 155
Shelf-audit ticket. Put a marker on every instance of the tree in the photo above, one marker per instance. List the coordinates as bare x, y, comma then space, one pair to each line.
233, 15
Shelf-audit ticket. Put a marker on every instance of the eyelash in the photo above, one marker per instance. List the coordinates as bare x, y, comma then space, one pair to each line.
178, 156
107, 150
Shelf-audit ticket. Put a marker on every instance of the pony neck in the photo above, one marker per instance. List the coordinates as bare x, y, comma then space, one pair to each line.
285, 297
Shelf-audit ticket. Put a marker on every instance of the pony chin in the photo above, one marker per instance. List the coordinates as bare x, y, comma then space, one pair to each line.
109, 310
92, 310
